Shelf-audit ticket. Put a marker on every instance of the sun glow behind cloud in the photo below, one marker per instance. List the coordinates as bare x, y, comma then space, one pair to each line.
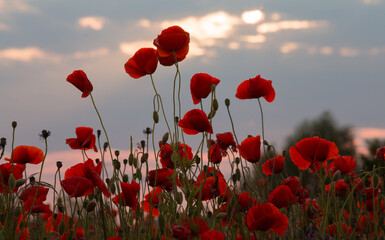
272, 27
252, 17
95, 23
24, 54
362, 134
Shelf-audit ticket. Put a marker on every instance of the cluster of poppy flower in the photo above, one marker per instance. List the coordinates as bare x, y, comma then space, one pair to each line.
182, 174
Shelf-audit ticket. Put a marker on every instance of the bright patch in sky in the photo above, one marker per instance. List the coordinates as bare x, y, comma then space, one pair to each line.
91, 54
271, 27
22, 54
95, 23
130, 48
349, 52
362, 134
289, 47
252, 17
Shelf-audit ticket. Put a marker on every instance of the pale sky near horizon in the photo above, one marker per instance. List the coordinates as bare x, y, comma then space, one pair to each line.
320, 55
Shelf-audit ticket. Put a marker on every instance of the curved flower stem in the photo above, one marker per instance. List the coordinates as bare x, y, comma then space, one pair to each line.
161, 104
101, 122
263, 129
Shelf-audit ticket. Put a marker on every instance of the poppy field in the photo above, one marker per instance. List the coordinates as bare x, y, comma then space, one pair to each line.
186, 196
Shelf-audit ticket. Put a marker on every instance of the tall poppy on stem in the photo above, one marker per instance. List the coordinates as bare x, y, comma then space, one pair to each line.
200, 86
84, 140
79, 79
27, 154
144, 62
173, 42
195, 121
255, 88
250, 149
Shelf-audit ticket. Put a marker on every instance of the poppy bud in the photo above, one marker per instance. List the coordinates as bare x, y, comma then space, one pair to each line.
20, 182
3, 142
144, 158
98, 133
327, 180
178, 197
107, 180
12, 181
125, 161
237, 160
155, 116
14, 124
112, 188
125, 178
105, 146
197, 159
117, 153
131, 159
32, 180
337, 175
165, 138
215, 104
234, 178
116, 164
62, 227
90, 206
59, 164
221, 215
227, 102
265, 143
45, 134
211, 114
143, 144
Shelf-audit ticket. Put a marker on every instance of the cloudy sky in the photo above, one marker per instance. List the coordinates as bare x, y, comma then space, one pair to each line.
320, 55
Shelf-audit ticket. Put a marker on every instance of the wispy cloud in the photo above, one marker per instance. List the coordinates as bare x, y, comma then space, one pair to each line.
100, 52
349, 52
289, 47
26, 54
95, 23
7, 6
370, 2
362, 134
130, 48
272, 27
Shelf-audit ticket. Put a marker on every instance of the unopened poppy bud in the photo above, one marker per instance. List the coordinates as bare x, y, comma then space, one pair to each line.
234, 178
98, 133
175, 157
265, 143
337, 175
125, 178
32, 180
205, 168
227, 102
215, 104
176, 119
59, 164
197, 159
116, 164
20, 182
143, 144
45, 134
12, 181
144, 158
211, 114
3, 142
375, 180
155, 116
107, 180
105, 146
131, 159
117, 153
14, 124
237, 160
62, 227
91, 206
165, 138
327, 180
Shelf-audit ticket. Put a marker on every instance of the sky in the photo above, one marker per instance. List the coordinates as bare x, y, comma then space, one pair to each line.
320, 55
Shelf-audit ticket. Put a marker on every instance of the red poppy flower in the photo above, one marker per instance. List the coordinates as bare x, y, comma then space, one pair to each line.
144, 62
214, 153
255, 88
179, 232
84, 140
166, 153
89, 171
27, 154
250, 149
77, 186
195, 121
273, 165
340, 188
28, 197
200, 86
266, 216
370, 192
346, 165
245, 201
128, 195
226, 140
151, 201
294, 184
312, 151
380, 153
281, 196
5, 173
173, 40
213, 234
53, 224
212, 186
161, 177
79, 79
